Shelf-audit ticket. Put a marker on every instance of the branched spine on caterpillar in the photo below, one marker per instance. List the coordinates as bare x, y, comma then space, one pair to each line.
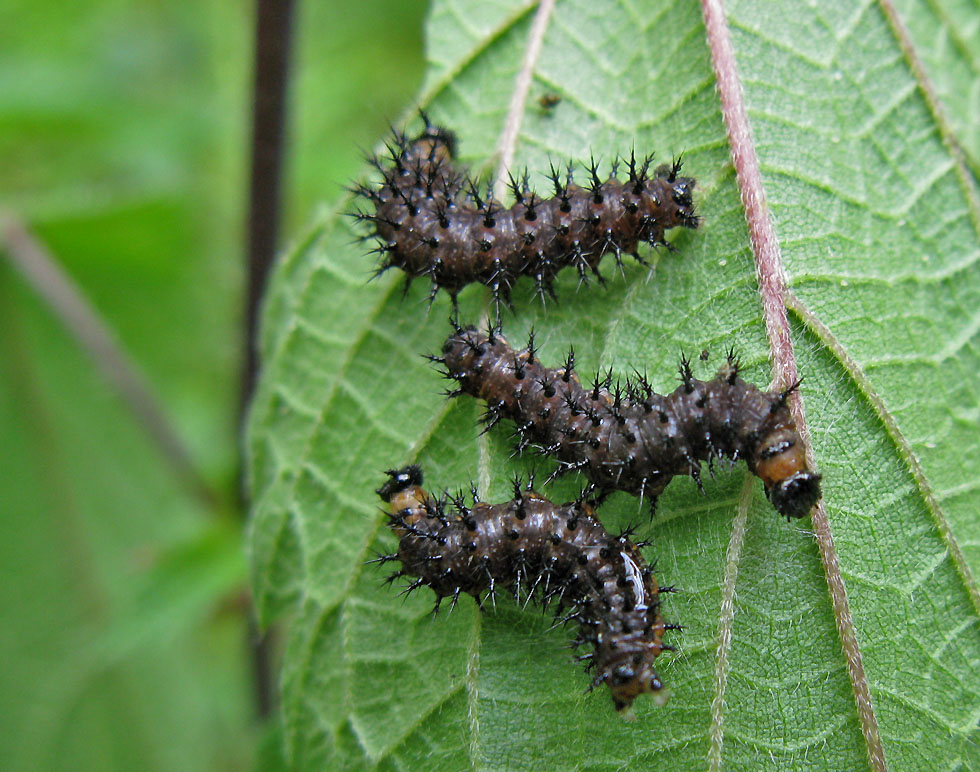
628, 437
554, 553
431, 220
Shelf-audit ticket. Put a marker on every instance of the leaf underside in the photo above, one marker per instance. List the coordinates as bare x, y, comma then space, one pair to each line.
880, 249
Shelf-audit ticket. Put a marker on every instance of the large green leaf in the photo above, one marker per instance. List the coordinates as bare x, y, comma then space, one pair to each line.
877, 223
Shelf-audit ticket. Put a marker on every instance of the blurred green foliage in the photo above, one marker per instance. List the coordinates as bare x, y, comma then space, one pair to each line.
123, 145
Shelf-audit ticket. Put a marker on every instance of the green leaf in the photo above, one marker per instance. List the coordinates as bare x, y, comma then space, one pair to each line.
123, 148
123, 596
945, 38
112, 644
877, 222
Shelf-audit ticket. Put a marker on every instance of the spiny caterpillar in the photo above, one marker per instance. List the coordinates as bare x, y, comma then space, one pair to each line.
630, 438
533, 547
431, 219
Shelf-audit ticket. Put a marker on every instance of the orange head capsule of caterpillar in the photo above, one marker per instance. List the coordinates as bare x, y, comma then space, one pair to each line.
403, 492
791, 486
632, 677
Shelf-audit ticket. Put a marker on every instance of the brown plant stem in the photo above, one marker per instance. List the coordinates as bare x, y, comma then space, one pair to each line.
273, 41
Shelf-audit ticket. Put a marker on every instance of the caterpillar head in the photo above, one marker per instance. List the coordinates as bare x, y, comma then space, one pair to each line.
791, 486
630, 677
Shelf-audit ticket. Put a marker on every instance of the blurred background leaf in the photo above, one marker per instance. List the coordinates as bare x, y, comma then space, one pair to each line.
123, 146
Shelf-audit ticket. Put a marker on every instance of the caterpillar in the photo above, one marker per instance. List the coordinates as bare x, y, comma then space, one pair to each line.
555, 553
627, 437
431, 220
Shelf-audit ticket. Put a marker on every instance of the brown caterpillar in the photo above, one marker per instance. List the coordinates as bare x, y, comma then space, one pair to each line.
630, 438
555, 553
431, 219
